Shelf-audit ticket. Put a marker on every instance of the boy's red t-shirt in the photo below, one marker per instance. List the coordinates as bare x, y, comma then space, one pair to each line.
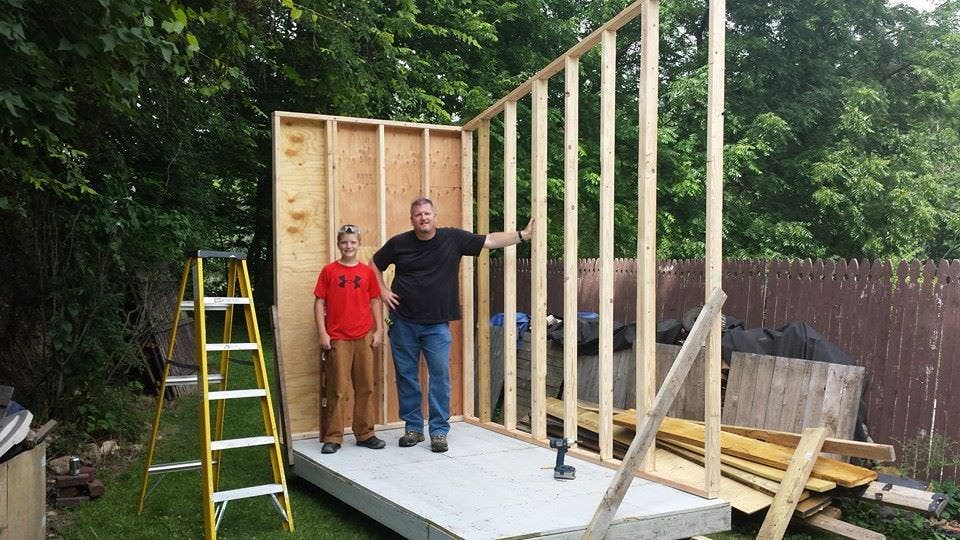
347, 291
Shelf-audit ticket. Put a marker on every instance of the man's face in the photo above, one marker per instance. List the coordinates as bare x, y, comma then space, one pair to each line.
423, 219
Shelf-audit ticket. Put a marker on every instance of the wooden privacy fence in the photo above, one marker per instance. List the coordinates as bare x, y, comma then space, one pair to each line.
901, 321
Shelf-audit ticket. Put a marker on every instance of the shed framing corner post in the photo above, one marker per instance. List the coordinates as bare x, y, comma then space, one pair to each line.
538, 270
713, 277
646, 351
466, 272
484, 407
510, 266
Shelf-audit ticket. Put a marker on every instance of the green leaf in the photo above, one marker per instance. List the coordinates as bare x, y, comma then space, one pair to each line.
193, 45
148, 21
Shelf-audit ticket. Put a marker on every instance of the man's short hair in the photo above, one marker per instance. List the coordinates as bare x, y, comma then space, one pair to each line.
421, 201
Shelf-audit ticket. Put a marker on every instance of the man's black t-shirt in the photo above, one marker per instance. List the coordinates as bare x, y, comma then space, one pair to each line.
427, 276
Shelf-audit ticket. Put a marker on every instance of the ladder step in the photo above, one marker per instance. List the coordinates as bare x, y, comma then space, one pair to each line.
174, 467
215, 302
242, 443
234, 394
186, 380
243, 493
232, 347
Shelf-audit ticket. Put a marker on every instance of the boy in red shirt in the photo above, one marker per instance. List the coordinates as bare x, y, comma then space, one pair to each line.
347, 299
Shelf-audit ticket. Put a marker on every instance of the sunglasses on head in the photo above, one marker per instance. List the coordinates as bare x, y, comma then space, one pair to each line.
349, 229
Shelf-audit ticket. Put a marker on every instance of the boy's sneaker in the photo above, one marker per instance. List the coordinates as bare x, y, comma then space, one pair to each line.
373, 443
438, 443
411, 438
329, 448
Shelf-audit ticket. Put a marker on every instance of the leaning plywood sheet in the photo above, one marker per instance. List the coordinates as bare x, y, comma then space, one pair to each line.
790, 394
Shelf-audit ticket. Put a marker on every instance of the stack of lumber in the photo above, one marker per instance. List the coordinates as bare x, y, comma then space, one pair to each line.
782, 473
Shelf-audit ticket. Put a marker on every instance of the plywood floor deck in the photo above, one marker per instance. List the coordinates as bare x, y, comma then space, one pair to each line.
489, 485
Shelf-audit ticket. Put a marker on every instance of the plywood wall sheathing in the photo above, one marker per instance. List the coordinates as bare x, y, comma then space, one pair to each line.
319, 186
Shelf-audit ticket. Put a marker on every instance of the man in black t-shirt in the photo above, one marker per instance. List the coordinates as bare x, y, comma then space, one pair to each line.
423, 299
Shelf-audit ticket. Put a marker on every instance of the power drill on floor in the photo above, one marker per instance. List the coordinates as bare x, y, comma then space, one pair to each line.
561, 471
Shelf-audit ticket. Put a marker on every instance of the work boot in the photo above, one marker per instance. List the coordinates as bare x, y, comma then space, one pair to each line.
411, 438
438, 443
329, 448
373, 443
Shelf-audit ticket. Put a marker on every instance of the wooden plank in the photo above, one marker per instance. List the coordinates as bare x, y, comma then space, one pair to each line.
383, 371
865, 450
757, 482
538, 270
713, 260
917, 500
843, 474
840, 528
571, 204
687, 474
774, 474
466, 273
645, 348
510, 266
426, 162
785, 501
645, 435
617, 22
811, 505
373, 122
332, 217
608, 66
484, 408
25, 493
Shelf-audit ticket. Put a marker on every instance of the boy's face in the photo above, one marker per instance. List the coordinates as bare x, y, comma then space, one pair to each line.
348, 244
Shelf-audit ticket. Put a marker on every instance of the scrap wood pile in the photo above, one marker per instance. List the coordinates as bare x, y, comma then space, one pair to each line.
760, 472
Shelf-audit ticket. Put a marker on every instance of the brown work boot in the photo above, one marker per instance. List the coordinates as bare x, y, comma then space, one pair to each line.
438, 443
411, 438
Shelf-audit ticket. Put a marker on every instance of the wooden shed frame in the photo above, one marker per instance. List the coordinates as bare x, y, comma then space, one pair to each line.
370, 170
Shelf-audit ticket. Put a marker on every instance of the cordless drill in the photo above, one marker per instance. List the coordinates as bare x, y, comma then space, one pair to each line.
561, 471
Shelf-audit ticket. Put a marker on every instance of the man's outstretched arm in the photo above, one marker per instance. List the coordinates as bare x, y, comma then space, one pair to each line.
498, 240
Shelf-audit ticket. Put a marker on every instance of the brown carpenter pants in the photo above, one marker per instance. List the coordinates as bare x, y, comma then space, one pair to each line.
350, 366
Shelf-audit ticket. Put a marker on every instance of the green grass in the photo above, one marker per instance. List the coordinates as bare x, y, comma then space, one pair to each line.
173, 510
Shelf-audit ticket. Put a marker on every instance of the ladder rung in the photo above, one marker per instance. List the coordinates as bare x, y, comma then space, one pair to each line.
215, 302
185, 380
232, 347
174, 467
243, 493
242, 443
234, 394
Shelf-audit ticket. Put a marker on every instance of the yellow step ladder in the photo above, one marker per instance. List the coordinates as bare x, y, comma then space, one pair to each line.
238, 293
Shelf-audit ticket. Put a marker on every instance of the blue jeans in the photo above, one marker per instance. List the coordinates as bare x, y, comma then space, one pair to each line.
407, 340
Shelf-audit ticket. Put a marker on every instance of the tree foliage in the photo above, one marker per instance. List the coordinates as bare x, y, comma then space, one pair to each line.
130, 131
